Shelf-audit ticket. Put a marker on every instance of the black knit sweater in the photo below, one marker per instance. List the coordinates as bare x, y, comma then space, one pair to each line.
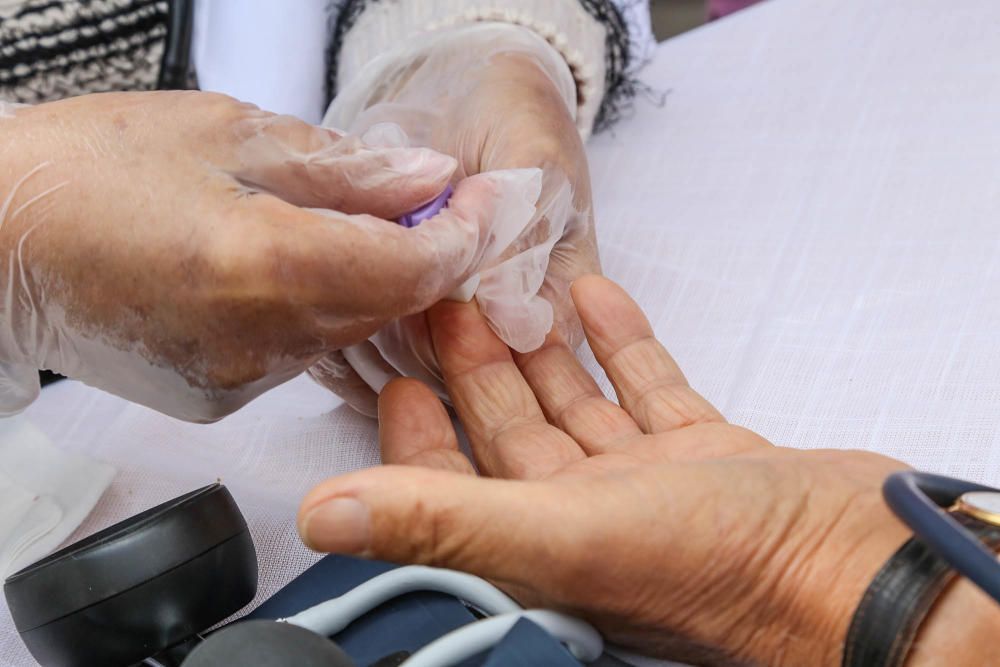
50, 49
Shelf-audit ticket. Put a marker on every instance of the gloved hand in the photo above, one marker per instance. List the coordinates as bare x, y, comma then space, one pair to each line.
495, 96
156, 245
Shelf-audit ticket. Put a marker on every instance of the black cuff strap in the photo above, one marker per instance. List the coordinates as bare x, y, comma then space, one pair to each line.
899, 598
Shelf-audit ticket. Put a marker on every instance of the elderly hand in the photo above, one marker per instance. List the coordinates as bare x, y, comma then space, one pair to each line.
675, 533
158, 246
496, 97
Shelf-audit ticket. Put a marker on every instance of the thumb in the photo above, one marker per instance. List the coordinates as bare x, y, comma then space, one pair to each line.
488, 527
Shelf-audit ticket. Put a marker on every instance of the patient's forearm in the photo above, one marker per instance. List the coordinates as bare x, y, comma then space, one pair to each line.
962, 629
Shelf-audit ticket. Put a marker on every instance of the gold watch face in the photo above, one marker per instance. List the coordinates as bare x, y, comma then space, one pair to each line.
984, 505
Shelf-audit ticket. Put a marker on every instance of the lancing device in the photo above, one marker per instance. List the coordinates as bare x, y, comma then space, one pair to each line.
358, 356
412, 219
427, 211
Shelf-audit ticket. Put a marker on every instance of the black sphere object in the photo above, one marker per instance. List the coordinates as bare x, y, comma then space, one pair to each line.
267, 644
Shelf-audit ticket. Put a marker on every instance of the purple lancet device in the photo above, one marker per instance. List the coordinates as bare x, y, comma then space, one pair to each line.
414, 218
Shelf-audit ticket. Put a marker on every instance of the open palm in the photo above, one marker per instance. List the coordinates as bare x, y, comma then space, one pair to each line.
676, 533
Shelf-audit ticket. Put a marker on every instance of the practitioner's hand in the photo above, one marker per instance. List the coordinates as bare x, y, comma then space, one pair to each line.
165, 246
495, 97
517, 117
675, 533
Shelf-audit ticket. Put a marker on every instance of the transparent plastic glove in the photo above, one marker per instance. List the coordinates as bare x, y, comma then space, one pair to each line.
495, 96
158, 246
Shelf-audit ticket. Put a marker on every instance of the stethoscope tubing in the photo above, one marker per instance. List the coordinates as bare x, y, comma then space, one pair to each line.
919, 500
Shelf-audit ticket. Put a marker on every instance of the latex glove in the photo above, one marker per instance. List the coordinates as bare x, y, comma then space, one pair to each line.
675, 533
156, 245
495, 96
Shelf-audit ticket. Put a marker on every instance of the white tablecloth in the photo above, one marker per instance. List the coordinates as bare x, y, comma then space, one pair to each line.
812, 221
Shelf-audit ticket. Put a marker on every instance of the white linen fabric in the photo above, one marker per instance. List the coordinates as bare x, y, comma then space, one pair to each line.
45, 493
812, 222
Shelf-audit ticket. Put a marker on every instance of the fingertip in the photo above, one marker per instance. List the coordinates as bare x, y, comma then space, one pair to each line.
583, 285
496, 199
407, 411
401, 388
472, 198
339, 525
412, 423
344, 498
416, 175
605, 307
341, 514
446, 316
462, 337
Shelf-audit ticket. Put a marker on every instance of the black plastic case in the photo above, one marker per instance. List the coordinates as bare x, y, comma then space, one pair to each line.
128, 592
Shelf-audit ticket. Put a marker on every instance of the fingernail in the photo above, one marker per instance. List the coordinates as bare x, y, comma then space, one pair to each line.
341, 525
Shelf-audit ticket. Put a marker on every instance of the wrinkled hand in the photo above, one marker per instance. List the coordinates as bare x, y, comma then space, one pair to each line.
158, 245
495, 97
675, 533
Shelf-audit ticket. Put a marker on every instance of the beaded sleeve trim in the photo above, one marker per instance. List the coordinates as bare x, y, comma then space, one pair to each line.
619, 85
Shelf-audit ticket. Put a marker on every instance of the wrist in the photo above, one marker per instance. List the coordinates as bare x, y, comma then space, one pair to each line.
961, 629
818, 588
429, 73
567, 28
851, 564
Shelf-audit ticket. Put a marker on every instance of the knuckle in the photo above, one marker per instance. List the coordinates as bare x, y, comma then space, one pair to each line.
227, 106
674, 403
215, 99
433, 527
744, 436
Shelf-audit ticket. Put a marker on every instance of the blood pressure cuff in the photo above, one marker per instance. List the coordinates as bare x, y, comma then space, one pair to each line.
407, 623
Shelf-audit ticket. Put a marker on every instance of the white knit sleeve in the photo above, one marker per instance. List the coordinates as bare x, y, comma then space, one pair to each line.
592, 36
